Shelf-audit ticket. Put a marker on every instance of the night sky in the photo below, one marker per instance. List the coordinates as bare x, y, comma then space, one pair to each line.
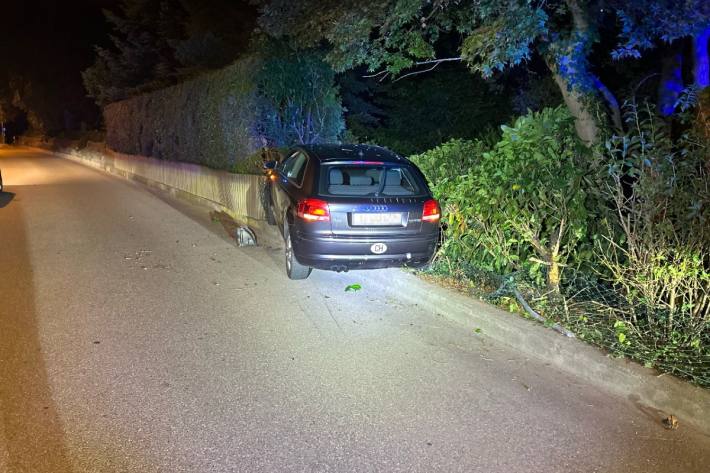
61, 33
50, 42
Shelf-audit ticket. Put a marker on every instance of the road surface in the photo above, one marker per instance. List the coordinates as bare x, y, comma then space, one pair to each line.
136, 337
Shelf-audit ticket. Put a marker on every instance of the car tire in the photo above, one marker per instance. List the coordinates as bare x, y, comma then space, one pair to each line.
294, 269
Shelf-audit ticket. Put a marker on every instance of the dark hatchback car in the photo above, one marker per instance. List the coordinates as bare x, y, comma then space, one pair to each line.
343, 207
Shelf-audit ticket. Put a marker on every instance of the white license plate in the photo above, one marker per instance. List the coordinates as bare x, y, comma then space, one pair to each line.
377, 219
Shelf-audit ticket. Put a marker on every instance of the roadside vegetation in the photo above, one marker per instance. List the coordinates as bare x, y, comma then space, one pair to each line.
611, 242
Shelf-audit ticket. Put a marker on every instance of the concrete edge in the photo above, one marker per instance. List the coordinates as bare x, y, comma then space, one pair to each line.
258, 225
664, 393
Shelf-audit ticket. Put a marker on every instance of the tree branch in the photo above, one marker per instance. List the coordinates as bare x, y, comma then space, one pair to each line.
384, 74
611, 102
446, 59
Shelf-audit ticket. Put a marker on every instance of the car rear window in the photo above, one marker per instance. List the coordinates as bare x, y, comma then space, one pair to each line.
369, 180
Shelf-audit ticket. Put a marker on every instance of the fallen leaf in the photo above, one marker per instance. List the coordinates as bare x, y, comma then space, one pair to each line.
670, 422
353, 287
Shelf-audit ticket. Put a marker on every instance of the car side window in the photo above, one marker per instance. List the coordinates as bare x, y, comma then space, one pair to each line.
288, 162
295, 167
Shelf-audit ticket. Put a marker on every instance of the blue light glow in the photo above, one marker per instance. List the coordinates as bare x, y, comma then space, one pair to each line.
702, 65
671, 87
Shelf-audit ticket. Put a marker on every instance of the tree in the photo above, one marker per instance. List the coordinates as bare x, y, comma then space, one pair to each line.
216, 32
157, 43
400, 37
297, 101
701, 72
141, 57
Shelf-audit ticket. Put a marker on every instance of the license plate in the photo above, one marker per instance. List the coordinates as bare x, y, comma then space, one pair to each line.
377, 219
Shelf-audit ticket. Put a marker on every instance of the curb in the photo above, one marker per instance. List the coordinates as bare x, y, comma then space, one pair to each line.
622, 377
665, 393
257, 225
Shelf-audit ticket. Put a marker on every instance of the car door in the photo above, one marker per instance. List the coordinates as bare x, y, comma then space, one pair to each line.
289, 184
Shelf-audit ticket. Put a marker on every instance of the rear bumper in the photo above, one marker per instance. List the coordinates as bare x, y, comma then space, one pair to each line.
346, 253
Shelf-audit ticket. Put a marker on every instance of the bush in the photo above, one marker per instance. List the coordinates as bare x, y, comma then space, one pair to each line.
445, 164
223, 117
254, 164
297, 101
519, 206
445, 167
657, 249
207, 120
633, 221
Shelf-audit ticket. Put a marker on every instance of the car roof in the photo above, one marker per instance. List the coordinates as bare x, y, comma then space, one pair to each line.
352, 152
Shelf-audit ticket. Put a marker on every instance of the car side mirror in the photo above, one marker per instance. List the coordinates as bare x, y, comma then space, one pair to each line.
270, 164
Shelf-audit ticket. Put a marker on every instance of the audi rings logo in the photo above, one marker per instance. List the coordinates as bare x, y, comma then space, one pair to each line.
378, 248
377, 208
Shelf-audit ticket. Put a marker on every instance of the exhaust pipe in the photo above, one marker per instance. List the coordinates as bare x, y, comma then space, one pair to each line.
339, 268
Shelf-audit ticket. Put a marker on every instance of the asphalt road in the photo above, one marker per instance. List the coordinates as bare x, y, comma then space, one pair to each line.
136, 337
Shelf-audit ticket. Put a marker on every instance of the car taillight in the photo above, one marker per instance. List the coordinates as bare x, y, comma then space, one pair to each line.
431, 211
314, 210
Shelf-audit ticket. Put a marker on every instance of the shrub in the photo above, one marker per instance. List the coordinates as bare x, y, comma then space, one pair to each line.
657, 249
223, 117
637, 212
207, 120
297, 101
519, 206
445, 164
445, 167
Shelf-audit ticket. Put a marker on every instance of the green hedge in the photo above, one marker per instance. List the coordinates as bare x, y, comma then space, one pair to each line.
275, 98
207, 120
613, 242
518, 206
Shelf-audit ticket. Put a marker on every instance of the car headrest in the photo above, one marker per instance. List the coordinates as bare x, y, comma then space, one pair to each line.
360, 181
394, 178
336, 177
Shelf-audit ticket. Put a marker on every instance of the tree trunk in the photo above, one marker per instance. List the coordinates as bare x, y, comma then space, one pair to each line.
553, 277
553, 274
671, 83
584, 122
611, 103
701, 65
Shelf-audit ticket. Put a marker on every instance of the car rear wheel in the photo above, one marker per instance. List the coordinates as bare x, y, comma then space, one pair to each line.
294, 269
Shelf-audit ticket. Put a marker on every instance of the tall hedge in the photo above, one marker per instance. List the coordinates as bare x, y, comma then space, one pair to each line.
207, 120
277, 98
